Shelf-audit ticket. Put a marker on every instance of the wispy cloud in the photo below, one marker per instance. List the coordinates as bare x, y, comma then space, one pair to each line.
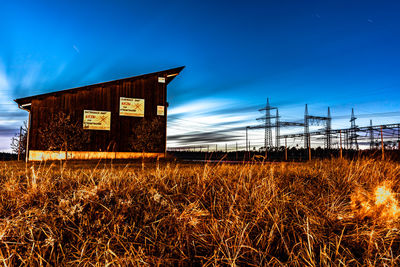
200, 106
76, 49
209, 121
31, 75
209, 137
10, 115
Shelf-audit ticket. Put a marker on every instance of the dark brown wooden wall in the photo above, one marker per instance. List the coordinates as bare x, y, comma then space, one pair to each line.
102, 97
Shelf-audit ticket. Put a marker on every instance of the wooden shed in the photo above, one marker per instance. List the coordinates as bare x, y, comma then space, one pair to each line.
108, 113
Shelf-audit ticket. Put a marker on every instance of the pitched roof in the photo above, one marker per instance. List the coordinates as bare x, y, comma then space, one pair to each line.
169, 74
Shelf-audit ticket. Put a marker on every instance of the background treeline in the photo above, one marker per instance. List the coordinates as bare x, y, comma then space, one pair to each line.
293, 154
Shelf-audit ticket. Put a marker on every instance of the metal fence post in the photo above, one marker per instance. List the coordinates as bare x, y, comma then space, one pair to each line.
285, 148
19, 142
341, 150
383, 147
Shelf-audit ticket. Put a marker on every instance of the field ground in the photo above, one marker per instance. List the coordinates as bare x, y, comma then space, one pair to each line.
323, 212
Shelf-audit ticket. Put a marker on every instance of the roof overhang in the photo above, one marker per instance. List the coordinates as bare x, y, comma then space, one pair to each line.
26, 106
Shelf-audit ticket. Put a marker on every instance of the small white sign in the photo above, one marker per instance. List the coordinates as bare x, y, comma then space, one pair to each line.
96, 120
161, 79
160, 110
133, 107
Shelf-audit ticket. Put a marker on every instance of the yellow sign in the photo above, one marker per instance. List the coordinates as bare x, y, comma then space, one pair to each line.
133, 107
96, 120
160, 110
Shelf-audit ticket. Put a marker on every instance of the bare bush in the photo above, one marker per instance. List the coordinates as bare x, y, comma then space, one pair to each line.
18, 143
62, 133
148, 136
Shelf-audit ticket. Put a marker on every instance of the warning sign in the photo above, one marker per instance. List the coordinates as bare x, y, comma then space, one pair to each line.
96, 120
160, 110
133, 107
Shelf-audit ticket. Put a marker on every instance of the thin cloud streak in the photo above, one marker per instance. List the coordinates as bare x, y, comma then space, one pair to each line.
76, 49
9, 112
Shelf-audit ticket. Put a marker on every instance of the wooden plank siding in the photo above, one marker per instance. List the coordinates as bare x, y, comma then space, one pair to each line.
102, 97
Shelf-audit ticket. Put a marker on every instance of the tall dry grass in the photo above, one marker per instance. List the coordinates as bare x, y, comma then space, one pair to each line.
317, 213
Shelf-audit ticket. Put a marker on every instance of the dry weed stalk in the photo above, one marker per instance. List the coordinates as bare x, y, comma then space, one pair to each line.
330, 212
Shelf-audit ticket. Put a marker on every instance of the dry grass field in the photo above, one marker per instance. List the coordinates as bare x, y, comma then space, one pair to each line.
330, 212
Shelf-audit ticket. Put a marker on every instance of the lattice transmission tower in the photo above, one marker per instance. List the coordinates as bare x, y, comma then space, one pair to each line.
371, 136
317, 120
267, 124
353, 131
277, 130
328, 128
306, 128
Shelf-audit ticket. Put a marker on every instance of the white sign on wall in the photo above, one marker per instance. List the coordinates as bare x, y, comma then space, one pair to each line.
161, 79
133, 107
96, 120
160, 110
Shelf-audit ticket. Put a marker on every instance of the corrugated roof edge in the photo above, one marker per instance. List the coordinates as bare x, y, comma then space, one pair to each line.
28, 99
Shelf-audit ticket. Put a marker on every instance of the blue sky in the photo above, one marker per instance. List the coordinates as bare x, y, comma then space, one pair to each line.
341, 54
